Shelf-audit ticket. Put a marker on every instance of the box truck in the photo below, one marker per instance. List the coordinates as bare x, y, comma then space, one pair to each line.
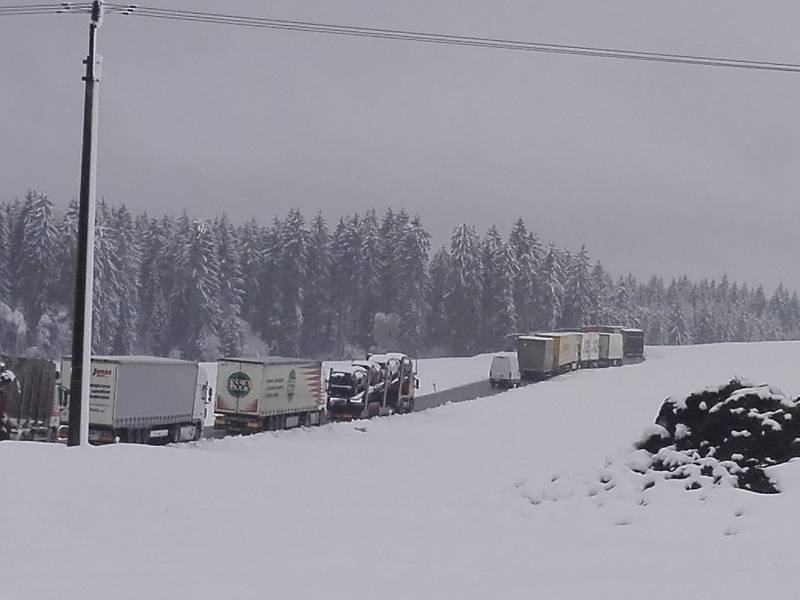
535, 356
141, 399
265, 394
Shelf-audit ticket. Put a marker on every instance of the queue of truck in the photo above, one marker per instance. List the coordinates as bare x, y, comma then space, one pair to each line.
145, 399
540, 355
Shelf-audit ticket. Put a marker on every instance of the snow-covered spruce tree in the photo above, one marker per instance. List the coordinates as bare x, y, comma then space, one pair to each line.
107, 286
196, 297
154, 331
621, 303
652, 310
292, 261
159, 341
369, 279
5, 273
498, 315
175, 282
63, 287
392, 229
602, 286
127, 256
436, 321
34, 271
464, 290
232, 282
526, 254
780, 309
758, 303
742, 327
580, 296
251, 260
412, 275
345, 281
678, 329
552, 289
704, 327
266, 319
317, 334
16, 227
792, 317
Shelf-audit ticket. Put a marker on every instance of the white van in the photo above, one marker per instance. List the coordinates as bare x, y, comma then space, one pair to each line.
504, 370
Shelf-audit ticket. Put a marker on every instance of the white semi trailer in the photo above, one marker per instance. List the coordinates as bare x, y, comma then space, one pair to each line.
142, 399
265, 394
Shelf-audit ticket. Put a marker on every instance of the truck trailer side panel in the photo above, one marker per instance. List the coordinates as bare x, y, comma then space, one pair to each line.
155, 394
291, 388
566, 349
268, 387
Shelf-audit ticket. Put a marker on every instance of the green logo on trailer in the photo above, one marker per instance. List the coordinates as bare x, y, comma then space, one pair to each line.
238, 384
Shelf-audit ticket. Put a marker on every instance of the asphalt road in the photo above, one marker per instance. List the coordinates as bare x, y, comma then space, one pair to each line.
461, 393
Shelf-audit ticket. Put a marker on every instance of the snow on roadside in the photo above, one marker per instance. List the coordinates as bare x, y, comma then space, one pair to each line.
429, 505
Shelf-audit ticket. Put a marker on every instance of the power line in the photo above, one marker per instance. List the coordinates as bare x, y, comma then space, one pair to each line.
44, 9
399, 34
457, 40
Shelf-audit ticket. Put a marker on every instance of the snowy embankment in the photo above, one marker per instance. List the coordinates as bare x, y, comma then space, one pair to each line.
521, 495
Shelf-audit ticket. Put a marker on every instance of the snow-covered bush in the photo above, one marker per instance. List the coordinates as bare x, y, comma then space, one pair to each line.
731, 433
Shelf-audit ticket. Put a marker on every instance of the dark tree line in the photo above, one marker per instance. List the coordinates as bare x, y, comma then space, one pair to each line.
199, 289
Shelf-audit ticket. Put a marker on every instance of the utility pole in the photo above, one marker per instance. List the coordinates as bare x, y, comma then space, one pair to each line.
84, 271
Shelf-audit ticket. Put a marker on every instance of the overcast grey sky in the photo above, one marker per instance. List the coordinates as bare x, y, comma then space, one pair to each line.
656, 167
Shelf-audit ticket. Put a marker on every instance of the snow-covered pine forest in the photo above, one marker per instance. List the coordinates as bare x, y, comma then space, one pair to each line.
199, 289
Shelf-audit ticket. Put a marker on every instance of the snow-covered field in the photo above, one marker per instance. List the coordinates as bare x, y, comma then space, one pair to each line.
521, 495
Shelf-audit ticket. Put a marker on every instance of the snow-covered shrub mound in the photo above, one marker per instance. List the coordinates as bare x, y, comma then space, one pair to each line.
730, 434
